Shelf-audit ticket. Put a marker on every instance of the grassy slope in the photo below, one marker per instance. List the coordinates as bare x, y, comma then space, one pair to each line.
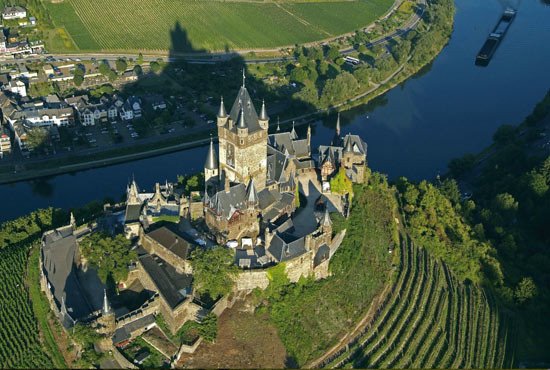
19, 335
310, 319
41, 308
212, 25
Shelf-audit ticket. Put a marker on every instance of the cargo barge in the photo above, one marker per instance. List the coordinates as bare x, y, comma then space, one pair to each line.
491, 44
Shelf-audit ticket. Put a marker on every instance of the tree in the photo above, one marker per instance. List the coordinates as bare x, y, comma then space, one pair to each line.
104, 68
37, 138
138, 70
155, 67
341, 184
525, 290
332, 52
504, 134
339, 89
322, 68
299, 74
362, 75
213, 271
208, 328
111, 256
459, 166
121, 64
139, 59
78, 73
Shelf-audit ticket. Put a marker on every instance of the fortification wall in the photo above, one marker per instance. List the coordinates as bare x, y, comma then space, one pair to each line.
249, 280
152, 247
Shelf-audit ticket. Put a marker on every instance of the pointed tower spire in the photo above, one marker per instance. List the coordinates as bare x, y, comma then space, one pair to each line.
221, 112
293, 133
263, 112
278, 124
211, 158
309, 134
106, 306
242, 123
251, 194
348, 147
326, 218
338, 125
244, 79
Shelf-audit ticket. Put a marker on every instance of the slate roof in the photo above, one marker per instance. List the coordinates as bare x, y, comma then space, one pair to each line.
226, 203
275, 164
173, 286
171, 241
355, 143
285, 246
284, 142
132, 213
58, 255
332, 154
125, 333
244, 102
211, 158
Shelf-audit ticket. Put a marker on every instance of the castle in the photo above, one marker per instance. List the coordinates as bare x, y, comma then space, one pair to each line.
252, 189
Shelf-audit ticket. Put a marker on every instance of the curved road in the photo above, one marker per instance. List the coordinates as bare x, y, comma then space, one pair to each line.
212, 58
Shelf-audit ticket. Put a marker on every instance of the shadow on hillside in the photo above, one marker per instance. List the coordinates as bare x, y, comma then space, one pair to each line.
194, 80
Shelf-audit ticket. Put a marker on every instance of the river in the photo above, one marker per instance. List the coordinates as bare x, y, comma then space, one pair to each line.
449, 109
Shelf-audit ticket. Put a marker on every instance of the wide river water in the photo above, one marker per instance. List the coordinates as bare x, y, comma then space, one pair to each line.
449, 109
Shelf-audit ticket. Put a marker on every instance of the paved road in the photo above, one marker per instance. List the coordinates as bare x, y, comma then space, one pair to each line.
212, 58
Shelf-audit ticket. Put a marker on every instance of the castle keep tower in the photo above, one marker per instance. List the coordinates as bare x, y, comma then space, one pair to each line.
243, 141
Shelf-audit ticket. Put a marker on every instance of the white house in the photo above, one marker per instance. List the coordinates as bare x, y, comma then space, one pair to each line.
18, 87
49, 117
14, 12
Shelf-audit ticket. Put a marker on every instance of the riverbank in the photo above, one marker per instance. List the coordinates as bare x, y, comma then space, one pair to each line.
46, 168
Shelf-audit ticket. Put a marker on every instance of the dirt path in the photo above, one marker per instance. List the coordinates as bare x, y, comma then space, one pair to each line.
245, 340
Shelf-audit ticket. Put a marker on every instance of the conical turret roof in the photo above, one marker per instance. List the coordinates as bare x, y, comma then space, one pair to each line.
221, 112
293, 133
211, 158
251, 194
106, 306
326, 218
349, 147
263, 112
242, 122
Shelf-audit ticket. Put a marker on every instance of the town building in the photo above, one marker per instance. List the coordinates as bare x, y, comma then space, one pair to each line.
14, 12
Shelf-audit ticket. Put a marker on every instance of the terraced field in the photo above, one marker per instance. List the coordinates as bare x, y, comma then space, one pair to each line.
430, 321
186, 25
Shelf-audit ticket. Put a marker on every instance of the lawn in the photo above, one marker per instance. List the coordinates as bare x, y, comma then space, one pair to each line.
189, 25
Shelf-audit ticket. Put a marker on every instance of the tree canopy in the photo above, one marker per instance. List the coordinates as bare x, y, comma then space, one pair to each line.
111, 256
213, 270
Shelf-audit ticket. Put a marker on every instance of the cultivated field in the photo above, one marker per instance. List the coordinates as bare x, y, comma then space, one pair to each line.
431, 321
187, 25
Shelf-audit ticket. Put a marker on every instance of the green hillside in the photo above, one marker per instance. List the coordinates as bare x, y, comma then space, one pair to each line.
186, 25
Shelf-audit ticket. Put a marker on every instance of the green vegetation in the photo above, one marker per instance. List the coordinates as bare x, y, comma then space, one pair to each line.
167, 218
510, 209
341, 184
435, 224
312, 316
41, 308
110, 255
20, 343
430, 320
86, 337
156, 360
213, 271
211, 25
